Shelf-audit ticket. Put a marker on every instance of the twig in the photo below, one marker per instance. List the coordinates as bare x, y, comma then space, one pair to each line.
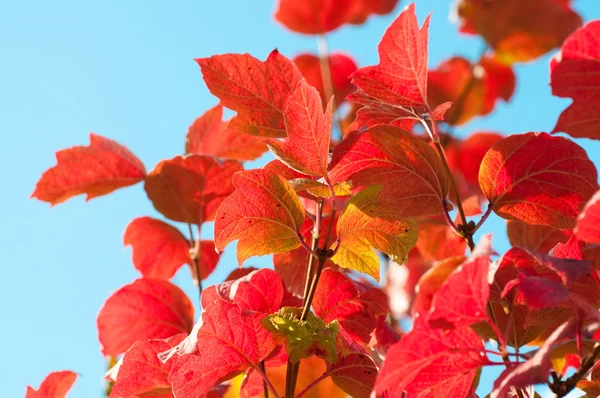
563, 387
195, 257
265, 385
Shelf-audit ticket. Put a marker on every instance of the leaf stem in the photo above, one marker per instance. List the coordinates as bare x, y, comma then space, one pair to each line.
266, 380
265, 386
195, 257
326, 77
314, 383
485, 216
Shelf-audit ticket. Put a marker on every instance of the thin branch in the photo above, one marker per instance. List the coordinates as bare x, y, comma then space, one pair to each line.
562, 388
485, 216
327, 79
449, 221
265, 385
266, 381
195, 257
314, 383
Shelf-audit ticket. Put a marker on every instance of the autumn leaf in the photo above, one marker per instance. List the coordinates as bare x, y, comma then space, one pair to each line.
209, 135
430, 363
190, 188
362, 228
226, 341
472, 88
141, 373
256, 90
356, 306
55, 385
573, 74
538, 179
375, 112
145, 309
539, 238
303, 338
437, 241
95, 170
160, 249
588, 222
318, 16
341, 67
508, 26
309, 129
259, 291
264, 214
432, 281
400, 78
462, 299
413, 179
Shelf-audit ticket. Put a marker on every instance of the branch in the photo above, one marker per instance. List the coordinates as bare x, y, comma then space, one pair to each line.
563, 387
195, 257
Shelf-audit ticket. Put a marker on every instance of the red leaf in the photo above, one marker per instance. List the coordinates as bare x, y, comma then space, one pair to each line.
160, 249
264, 214
413, 178
189, 189
538, 179
94, 170
355, 305
309, 129
143, 310
341, 67
437, 241
321, 16
429, 363
588, 223
260, 291
538, 238
508, 27
375, 112
472, 88
535, 370
401, 76
574, 74
141, 373
55, 385
432, 281
226, 341
209, 135
541, 292
256, 90
463, 297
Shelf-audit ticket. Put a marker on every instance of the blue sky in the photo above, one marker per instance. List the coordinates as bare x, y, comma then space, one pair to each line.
125, 70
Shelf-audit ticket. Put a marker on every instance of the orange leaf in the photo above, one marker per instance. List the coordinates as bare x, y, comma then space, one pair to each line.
341, 67
189, 189
160, 249
473, 89
538, 179
361, 228
145, 309
256, 90
401, 76
413, 178
321, 16
519, 30
437, 241
55, 385
309, 129
264, 214
94, 170
209, 135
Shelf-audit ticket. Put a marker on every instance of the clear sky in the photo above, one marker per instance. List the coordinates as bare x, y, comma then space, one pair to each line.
125, 70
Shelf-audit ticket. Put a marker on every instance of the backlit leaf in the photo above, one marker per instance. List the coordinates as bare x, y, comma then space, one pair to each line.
361, 229
141, 373
143, 310
309, 129
400, 78
190, 188
321, 16
303, 338
462, 299
588, 223
538, 179
539, 238
356, 306
574, 74
55, 385
414, 182
209, 135
437, 241
341, 66
509, 28
160, 249
226, 341
432, 281
256, 90
472, 88
264, 214
94, 170
431, 363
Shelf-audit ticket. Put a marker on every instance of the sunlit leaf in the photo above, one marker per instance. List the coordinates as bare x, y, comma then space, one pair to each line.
55, 385
588, 223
